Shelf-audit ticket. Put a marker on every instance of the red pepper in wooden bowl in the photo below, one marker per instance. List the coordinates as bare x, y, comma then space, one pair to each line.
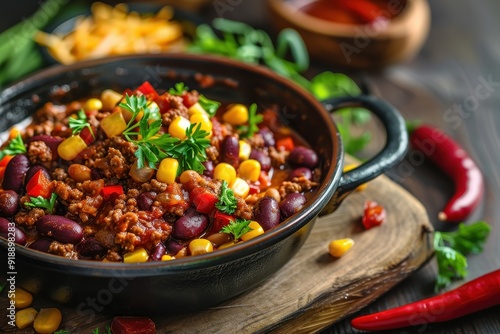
456, 162
477, 295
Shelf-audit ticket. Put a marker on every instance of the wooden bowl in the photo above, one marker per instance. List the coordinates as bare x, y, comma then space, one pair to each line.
358, 46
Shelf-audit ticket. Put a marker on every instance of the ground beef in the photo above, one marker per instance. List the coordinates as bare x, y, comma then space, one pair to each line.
65, 192
243, 210
50, 112
256, 141
39, 152
65, 250
305, 183
86, 209
212, 153
59, 174
173, 200
113, 256
28, 218
278, 158
288, 187
177, 108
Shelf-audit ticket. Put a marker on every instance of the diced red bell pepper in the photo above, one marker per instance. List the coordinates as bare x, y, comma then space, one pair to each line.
254, 188
147, 89
87, 136
132, 325
264, 180
220, 220
285, 143
2, 173
128, 92
39, 185
5, 160
203, 199
188, 99
108, 191
374, 214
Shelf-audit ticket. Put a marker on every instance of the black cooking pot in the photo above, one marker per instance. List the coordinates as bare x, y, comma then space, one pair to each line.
206, 280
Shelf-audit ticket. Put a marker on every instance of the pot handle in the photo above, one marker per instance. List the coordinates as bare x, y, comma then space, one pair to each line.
393, 152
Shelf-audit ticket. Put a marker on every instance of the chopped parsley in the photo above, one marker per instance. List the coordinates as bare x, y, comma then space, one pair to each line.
237, 228
227, 202
79, 123
40, 202
247, 131
14, 147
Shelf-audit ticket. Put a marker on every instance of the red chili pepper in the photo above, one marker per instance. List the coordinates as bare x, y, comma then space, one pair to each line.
366, 11
203, 199
220, 220
147, 89
477, 295
454, 161
373, 215
132, 325
108, 191
39, 185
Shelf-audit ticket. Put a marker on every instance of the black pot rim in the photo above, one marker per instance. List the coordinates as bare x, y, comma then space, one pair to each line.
313, 207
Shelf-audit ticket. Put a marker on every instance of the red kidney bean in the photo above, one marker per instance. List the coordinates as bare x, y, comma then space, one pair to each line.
51, 141
145, 200
267, 213
301, 172
262, 158
209, 169
19, 236
9, 203
41, 245
90, 247
33, 170
60, 228
291, 204
303, 156
14, 173
268, 136
173, 246
230, 150
189, 226
157, 252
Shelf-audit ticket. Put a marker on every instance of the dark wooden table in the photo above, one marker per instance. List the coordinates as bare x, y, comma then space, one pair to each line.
462, 51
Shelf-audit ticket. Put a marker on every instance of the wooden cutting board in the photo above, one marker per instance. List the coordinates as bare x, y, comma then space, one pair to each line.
313, 290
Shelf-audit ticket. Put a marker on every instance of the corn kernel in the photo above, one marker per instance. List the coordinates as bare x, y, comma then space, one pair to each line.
204, 120
237, 114
200, 246
178, 127
47, 320
240, 187
196, 109
351, 167
249, 170
224, 171
114, 124
25, 318
245, 150
71, 147
136, 256
110, 98
92, 104
22, 298
339, 247
167, 171
227, 245
167, 257
14, 131
256, 231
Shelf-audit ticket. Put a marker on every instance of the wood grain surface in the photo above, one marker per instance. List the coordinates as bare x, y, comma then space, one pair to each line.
314, 289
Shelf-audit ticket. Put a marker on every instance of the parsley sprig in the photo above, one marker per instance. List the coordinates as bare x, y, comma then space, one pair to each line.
191, 152
150, 147
178, 89
14, 147
227, 202
237, 228
451, 249
79, 123
40, 202
247, 131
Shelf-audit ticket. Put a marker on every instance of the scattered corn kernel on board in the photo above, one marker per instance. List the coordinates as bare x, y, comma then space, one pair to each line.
314, 289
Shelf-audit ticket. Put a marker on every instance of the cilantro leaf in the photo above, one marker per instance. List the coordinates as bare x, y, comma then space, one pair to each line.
40, 202
191, 152
237, 228
227, 202
451, 249
79, 123
14, 147
178, 89
210, 106
248, 131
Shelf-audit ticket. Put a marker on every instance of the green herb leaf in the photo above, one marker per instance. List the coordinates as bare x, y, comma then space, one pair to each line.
451, 249
247, 131
237, 228
191, 151
14, 147
227, 202
79, 123
40, 202
178, 89
210, 106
